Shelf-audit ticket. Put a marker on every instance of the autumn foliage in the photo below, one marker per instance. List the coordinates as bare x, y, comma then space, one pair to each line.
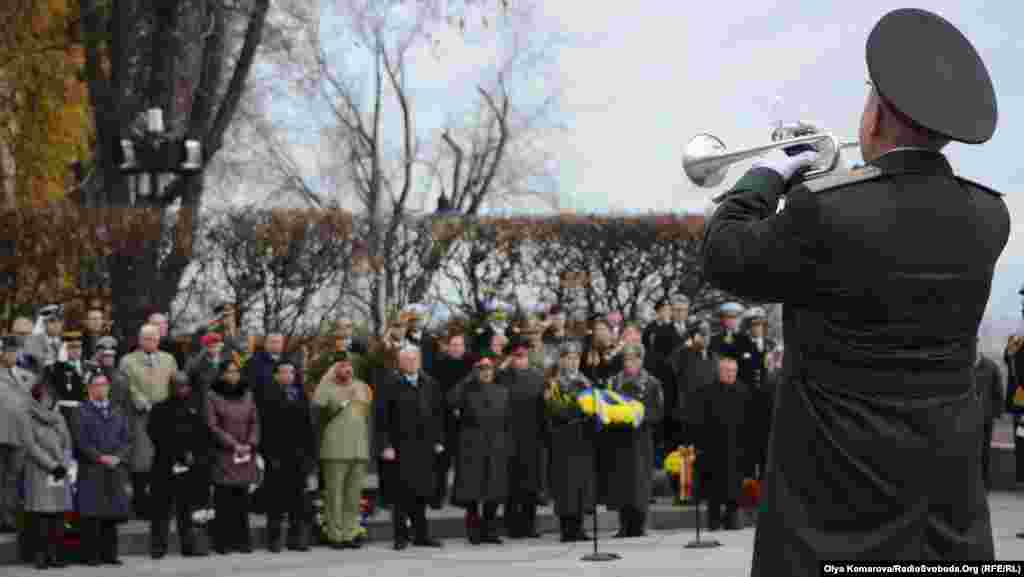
45, 120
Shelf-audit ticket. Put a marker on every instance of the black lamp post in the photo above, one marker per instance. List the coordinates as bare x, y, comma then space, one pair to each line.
150, 162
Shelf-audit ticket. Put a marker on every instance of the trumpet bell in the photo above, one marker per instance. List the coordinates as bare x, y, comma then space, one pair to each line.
699, 151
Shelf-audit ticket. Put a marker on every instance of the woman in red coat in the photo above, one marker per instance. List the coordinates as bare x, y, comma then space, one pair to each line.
233, 420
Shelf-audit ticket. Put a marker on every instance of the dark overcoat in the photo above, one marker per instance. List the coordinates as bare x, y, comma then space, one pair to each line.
884, 275
527, 455
181, 436
291, 445
484, 419
102, 491
627, 454
571, 478
411, 421
720, 417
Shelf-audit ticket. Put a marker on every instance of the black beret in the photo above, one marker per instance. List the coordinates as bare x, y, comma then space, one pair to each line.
926, 69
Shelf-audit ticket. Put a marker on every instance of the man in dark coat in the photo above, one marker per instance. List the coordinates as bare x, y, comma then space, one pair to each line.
661, 337
526, 469
572, 465
1013, 356
481, 407
627, 455
259, 371
693, 368
720, 410
409, 427
103, 443
754, 350
449, 369
884, 274
181, 475
291, 452
990, 393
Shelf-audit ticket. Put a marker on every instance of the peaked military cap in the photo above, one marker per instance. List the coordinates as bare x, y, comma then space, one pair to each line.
108, 343
570, 347
52, 312
925, 68
731, 309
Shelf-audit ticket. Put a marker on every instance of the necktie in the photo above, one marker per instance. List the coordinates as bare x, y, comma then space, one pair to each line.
150, 360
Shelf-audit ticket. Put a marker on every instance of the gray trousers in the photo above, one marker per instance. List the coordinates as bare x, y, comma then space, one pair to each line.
10, 473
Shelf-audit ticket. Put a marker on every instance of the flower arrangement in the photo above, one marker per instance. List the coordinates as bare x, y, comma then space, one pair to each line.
679, 466
751, 494
561, 404
612, 409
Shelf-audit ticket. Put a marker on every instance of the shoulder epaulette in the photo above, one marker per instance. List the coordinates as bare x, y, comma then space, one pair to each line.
980, 186
840, 179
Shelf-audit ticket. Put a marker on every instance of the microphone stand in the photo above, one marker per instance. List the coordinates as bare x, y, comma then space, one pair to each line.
697, 543
596, 556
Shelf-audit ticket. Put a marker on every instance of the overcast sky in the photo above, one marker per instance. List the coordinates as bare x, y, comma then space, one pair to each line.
638, 79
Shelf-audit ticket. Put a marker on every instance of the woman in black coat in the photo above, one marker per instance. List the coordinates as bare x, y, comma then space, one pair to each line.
481, 408
181, 476
291, 450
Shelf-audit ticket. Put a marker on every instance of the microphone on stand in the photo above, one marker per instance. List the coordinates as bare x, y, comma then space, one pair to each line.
697, 543
597, 556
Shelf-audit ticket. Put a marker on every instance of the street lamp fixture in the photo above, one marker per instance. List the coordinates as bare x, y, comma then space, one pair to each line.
152, 161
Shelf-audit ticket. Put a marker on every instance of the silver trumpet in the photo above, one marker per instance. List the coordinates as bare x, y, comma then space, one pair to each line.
706, 160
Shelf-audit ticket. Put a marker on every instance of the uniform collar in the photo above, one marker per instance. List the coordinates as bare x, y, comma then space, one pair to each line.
913, 160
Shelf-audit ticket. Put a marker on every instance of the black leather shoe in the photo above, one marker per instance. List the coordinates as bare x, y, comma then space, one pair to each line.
157, 554
94, 562
428, 542
621, 534
400, 545
113, 562
42, 562
491, 538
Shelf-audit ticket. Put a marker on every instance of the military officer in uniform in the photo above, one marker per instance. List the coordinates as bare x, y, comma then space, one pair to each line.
66, 378
884, 274
727, 340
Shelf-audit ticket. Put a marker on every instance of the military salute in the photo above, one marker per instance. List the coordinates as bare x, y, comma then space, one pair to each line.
885, 274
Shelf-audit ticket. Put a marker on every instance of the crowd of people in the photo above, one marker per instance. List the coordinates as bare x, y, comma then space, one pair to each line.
155, 433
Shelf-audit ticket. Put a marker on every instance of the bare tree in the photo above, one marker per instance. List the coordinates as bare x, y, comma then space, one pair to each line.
191, 59
378, 162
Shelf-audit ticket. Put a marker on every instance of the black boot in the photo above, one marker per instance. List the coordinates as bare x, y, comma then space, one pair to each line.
530, 521
732, 518
714, 513
275, 540
624, 525
638, 524
299, 533
473, 523
565, 526
578, 531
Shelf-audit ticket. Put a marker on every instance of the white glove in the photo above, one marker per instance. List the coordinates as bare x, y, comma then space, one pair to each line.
787, 166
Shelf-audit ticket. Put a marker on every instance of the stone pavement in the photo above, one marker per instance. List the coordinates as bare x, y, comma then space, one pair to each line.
661, 553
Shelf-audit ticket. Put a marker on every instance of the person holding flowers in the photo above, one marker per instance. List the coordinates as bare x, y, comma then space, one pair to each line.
571, 476
628, 449
481, 408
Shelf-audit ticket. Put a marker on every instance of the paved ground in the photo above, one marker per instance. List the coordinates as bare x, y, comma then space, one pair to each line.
662, 553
